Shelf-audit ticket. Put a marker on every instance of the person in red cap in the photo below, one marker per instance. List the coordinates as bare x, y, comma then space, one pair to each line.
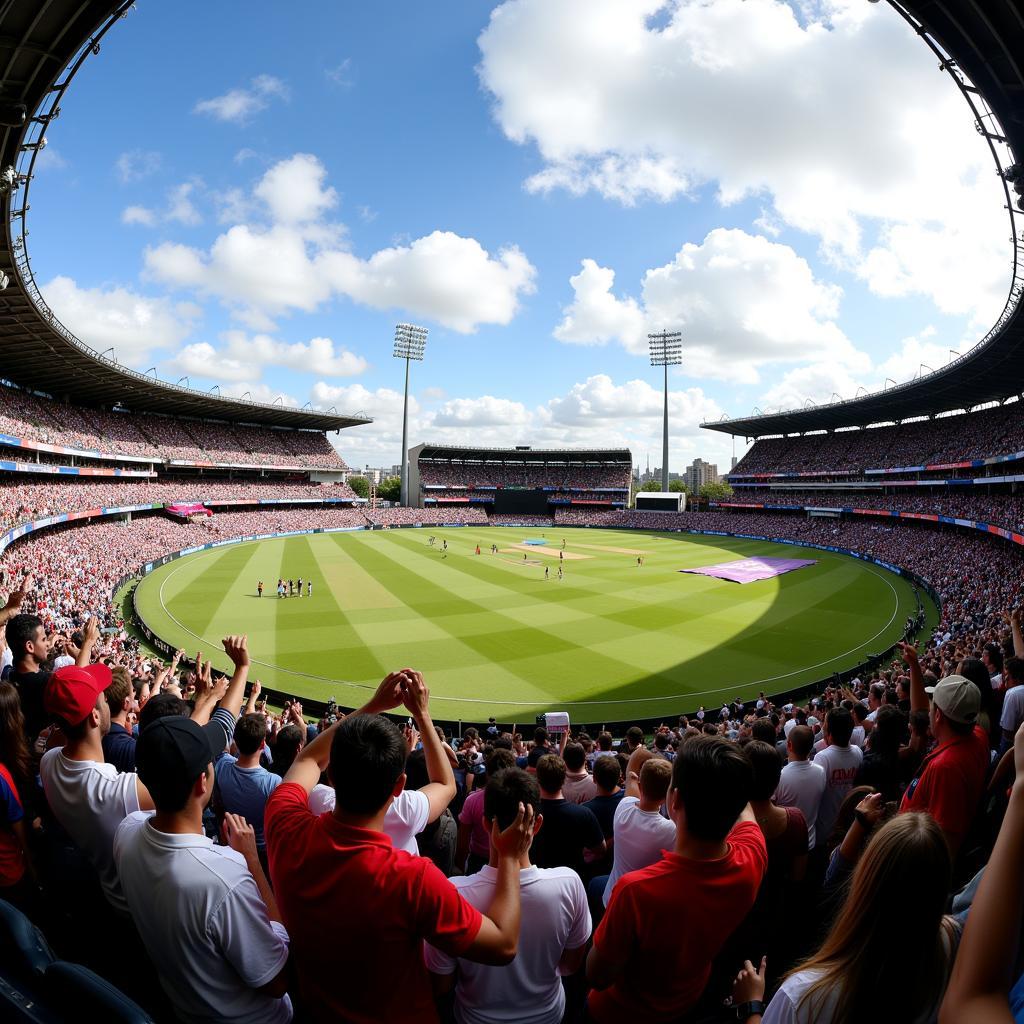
87, 796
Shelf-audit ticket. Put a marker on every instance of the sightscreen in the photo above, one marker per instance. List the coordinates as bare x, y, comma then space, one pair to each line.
651, 504
527, 502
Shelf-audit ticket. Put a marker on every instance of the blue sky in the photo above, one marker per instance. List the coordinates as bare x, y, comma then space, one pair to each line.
253, 197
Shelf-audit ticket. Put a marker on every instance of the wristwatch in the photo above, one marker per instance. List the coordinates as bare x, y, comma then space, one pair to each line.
746, 1010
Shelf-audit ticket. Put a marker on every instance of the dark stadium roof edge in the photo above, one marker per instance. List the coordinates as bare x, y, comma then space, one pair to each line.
519, 453
980, 44
42, 46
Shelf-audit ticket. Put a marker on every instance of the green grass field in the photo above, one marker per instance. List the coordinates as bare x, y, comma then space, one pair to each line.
611, 641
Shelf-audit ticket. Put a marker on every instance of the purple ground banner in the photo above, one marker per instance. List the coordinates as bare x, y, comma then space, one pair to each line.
749, 570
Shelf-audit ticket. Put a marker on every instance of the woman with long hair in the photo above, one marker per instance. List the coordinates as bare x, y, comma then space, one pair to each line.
17, 874
892, 936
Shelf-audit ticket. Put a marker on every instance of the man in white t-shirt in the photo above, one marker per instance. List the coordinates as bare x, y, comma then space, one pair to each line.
554, 929
206, 913
1013, 701
641, 833
802, 782
87, 796
840, 760
413, 809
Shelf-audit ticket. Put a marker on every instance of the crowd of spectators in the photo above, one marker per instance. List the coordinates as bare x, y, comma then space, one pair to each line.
1001, 509
34, 418
430, 516
21, 502
750, 862
637, 520
946, 439
853, 854
565, 478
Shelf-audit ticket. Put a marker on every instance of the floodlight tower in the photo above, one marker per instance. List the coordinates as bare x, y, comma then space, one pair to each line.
410, 342
666, 350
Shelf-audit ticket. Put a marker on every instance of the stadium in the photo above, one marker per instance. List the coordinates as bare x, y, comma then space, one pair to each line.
531, 589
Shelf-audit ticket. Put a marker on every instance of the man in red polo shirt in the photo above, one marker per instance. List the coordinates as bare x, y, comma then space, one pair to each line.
665, 923
949, 783
357, 909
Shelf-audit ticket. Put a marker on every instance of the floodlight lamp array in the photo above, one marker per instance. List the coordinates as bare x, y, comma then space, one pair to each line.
666, 348
410, 341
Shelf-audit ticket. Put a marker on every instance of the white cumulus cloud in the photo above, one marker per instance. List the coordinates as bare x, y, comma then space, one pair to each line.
740, 301
837, 117
239, 105
135, 325
242, 356
295, 259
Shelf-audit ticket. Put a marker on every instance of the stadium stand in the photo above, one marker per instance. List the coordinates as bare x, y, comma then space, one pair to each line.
519, 481
28, 420
944, 443
855, 868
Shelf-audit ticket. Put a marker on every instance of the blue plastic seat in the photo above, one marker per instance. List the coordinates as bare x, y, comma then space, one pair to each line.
78, 993
24, 951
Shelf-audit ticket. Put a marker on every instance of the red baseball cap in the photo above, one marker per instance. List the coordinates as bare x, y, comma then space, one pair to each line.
71, 692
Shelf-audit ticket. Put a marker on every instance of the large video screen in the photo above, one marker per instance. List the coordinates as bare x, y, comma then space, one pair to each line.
523, 503
646, 504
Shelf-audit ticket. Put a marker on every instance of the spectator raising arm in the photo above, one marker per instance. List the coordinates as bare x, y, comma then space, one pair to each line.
440, 791
15, 599
1013, 618
312, 760
237, 649
988, 950
90, 634
254, 693
918, 698
498, 939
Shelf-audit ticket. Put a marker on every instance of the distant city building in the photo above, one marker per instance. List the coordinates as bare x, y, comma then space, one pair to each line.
732, 465
699, 473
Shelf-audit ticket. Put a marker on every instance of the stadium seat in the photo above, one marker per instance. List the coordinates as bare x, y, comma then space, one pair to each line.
24, 951
74, 990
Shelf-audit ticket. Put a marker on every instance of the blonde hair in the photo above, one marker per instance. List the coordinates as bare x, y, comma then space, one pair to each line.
875, 945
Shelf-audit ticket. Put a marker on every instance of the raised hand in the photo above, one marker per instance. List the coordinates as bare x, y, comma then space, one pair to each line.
91, 630
749, 983
514, 841
415, 695
237, 649
412, 737
16, 597
909, 651
871, 807
239, 835
387, 696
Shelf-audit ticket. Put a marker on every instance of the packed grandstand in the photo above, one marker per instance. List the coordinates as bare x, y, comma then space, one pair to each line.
863, 835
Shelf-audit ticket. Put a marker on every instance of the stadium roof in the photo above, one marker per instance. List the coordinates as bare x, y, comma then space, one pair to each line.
42, 45
455, 452
983, 39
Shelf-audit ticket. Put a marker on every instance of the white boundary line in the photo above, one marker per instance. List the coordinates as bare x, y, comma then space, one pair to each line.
568, 703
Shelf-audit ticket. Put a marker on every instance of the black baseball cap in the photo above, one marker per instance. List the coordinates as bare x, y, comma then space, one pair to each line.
171, 753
